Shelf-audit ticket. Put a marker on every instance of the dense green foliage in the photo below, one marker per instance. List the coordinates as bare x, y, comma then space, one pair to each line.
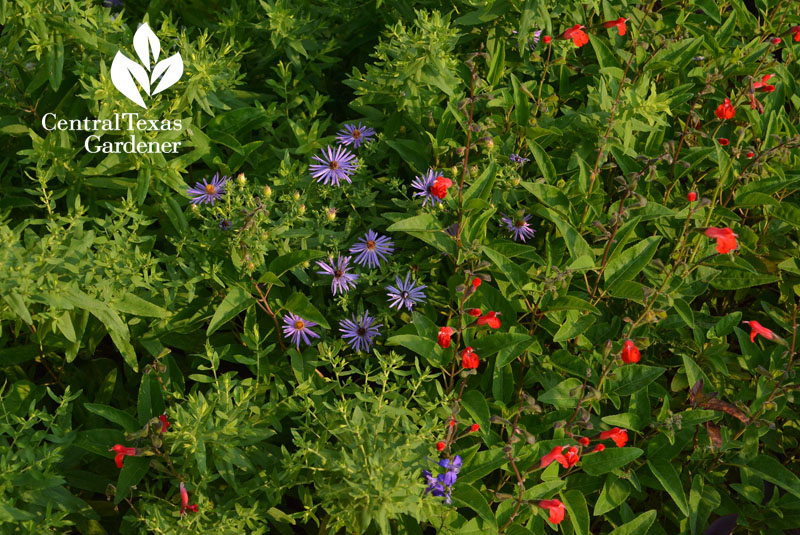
665, 221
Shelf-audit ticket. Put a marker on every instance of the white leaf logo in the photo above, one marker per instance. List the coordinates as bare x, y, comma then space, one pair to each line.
125, 73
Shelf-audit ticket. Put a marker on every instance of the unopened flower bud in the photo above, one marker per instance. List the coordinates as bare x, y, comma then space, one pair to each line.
454, 171
296, 195
241, 179
439, 446
301, 209
267, 191
473, 171
331, 213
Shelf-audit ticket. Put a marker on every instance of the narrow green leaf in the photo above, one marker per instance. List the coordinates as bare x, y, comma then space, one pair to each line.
638, 526
669, 478
475, 404
467, 496
769, 469
132, 472
631, 261
602, 462
578, 511
235, 302
114, 415
151, 398
18, 306
289, 261
300, 305
633, 377
515, 274
130, 303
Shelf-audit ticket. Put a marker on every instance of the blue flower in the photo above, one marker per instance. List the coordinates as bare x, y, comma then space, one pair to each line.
342, 280
371, 248
358, 332
355, 135
405, 293
334, 166
208, 193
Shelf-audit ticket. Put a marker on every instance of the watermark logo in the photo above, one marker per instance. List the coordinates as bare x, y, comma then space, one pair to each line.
125, 72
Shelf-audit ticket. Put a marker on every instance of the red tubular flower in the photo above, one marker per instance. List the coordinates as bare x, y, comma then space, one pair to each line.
165, 424
725, 110
444, 336
726, 239
750, 154
439, 446
474, 312
763, 85
578, 36
185, 501
583, 441
439, 187
796, 32
491, 319
547, 39
122, 451
724, 141
692, 196
556, 509
619, 436
619, 23
474, 427
757, 328
630, 353
775, 40
469, 360
554, 455
571, 456
475, 283
599, 447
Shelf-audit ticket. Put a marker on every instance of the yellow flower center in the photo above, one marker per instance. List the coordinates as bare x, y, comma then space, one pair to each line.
299, 325
211, 189
334, 165
370, 244
356, 134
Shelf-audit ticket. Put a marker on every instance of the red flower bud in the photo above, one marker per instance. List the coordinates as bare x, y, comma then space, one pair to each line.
547, 39
440, 445
474, 312
692, 196
583, 441
474, 427
723, 141
599, 447
165, 424
750, 154
476, 282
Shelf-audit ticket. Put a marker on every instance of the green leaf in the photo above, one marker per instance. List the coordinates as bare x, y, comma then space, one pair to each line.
573, 328
638, 526
633, 377
561, 396
737, 279
475, 404
543, 161
515, 274
575, 242
133, 304
602, 462
121, 418
669, 478
300, 305
424, 347
615, 492
549, 195
769, 469
542, 490
235, 302
151, 399
482, 187
289, 261
467, 496
132, 472
684, 311
578, 511
629, 263
510, 345
569, 302
18, 306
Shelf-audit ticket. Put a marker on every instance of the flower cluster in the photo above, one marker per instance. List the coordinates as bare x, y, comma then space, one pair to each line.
442, 484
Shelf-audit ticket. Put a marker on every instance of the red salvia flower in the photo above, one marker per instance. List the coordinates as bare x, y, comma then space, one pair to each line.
599, 447
726, 239
619, 23
619, 436
474, 427
165, 424
476, 282
554, 455
578, 36
185, 501
630, 353
439, 187
756, 328
750, 154
556, 509
775, 40
583, 441
547, 39
725, 110
444, 336
763, 85
692, 196
440, 445
474, 312
724, 141
122, 451
571, 456
469, 359
490, 319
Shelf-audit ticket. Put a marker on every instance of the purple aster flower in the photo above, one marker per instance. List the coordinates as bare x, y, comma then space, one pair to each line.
355, 135
405, 293
342, 280
334, 166
208, 193
358, 332
225, 224
112, 3
519, 160
296, 328
519, 227
371, 248
425, 184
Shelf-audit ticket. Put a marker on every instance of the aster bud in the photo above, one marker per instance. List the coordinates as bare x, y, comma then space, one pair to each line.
331, 213
296, 195
473, 171
301, 209
267, 191
454, 171
241, 179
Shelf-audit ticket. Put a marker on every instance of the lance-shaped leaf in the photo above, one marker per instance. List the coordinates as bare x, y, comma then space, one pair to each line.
123, 73
171, 68
145, 42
